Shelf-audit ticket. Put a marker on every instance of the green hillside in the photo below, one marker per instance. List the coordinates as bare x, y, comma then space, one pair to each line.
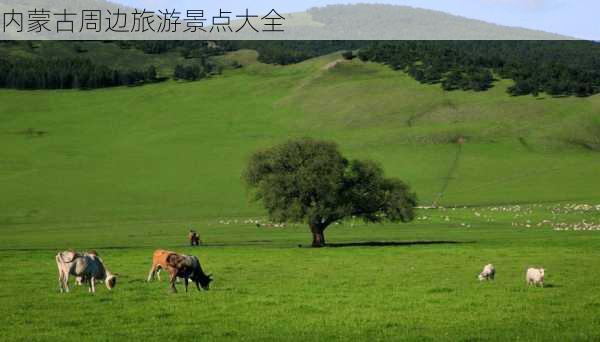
175, 150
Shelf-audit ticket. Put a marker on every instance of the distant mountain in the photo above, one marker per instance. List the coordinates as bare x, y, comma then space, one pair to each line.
389, 22
365, 21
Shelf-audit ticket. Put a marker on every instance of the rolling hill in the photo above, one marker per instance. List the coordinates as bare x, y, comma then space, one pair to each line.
175, 150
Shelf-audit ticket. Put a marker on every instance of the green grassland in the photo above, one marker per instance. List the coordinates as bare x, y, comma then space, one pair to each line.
266, 288
127, 170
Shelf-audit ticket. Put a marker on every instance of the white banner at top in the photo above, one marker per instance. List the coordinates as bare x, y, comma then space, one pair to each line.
99, 20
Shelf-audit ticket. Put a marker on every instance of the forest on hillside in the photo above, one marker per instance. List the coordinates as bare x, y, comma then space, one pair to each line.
553, 67
558, 68
75, 66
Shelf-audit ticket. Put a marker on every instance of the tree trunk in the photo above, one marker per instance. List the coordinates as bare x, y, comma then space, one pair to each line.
318, 235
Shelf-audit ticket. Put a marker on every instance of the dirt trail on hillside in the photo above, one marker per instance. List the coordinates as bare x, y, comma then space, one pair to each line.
331, 65
449, 175
308, 80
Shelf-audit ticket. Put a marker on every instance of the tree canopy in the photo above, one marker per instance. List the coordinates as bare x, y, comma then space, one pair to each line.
309, 181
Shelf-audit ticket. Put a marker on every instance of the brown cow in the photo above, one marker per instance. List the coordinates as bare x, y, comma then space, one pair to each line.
179, 265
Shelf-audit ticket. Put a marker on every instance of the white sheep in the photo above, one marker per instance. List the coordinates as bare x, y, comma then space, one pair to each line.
535, 276
489, 272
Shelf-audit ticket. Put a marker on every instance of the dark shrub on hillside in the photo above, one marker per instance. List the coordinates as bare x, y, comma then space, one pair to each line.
348, 55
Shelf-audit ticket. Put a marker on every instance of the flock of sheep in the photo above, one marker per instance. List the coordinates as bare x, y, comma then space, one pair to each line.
533, 276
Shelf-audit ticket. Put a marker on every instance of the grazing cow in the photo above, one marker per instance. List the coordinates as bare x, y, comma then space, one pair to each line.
179, 265
81, 280
194, 238
488, 273
86, 267
535, 276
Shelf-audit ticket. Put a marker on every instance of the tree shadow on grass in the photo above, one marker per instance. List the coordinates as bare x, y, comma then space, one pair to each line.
395, 243
257, 243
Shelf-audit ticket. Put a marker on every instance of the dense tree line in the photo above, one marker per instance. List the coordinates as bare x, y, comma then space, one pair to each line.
187, 48
553, 67
67, 73
63, 72
33, 70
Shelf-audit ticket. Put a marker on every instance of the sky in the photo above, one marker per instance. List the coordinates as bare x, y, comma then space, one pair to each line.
575, 18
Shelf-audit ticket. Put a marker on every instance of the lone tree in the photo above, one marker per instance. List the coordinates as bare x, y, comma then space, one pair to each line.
308, 180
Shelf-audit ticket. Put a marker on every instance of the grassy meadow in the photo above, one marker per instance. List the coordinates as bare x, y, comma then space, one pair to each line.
128, 170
